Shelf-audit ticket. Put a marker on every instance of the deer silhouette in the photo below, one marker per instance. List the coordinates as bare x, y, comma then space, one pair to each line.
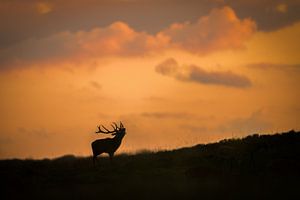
108, 145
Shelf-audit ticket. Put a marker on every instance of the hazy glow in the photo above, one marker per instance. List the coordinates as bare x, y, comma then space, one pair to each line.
231, 81
44, 8
282, 8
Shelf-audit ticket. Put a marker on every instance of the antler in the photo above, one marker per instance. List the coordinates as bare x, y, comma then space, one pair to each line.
115, 127
106, 130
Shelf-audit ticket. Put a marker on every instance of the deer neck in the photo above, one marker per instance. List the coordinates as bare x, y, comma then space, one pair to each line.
118, 138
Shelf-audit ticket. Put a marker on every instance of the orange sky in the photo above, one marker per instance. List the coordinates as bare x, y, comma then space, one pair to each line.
218, 70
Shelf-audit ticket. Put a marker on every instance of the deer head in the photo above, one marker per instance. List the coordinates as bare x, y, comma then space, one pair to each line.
116, 129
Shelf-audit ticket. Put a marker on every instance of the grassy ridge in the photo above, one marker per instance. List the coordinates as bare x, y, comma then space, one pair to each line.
258, 166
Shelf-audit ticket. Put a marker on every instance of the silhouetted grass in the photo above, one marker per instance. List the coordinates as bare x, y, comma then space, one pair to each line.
255, 167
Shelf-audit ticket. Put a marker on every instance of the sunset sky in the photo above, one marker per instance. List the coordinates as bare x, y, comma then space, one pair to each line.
175, 72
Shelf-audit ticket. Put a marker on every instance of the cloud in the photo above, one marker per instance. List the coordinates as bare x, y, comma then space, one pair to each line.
41, 132
255, 123
96, 85
117, 39
274, 66
44, 8
282, 8
4, 140
219, 30
268, 14
197, 129
193, 73
167, 115
155, 99
20, 20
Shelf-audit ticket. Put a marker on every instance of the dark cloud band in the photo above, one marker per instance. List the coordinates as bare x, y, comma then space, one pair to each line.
193, 73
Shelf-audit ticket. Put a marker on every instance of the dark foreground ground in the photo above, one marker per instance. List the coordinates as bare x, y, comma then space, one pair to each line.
255, 167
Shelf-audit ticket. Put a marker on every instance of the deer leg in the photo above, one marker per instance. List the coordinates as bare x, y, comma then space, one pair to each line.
111, 155
94, 159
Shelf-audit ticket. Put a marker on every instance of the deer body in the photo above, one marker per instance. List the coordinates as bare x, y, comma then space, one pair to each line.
108, 145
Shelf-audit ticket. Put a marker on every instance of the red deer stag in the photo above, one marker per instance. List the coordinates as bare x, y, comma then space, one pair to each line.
108, 145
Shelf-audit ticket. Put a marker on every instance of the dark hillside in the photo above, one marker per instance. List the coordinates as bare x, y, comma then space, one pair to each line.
255, 167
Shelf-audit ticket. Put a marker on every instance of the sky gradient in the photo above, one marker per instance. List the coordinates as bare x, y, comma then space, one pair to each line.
176, 73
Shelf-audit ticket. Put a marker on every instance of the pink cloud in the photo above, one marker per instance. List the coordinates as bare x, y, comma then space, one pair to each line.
219, 30
118, 39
